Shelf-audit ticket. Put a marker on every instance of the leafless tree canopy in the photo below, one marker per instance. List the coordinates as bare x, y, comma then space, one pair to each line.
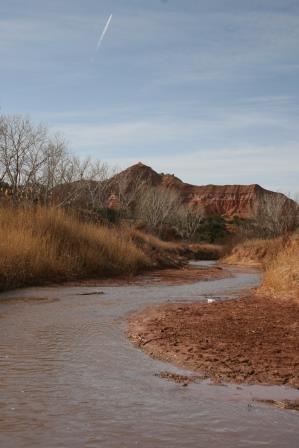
130, 193
157, 206
37, 166
276, 215
22, 152
187, 221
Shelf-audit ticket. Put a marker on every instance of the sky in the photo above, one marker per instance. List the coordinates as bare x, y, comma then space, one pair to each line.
206, 90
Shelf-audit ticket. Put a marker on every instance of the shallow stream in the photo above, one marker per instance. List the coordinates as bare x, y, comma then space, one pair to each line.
70, 377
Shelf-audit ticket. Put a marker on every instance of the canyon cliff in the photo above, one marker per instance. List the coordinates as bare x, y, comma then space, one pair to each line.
244, 201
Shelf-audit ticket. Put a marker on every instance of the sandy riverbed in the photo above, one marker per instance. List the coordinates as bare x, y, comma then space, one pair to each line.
250, 340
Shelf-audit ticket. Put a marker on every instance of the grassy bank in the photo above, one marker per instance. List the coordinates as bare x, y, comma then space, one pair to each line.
169, 253
279, 259
47, 245
281, 277
255, 252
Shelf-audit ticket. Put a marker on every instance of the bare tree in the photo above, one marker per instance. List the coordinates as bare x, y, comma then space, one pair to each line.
76, 181
129, 192
187, 221
276, 215
39, 167
96, 183
22, 153
157, 205
54, 168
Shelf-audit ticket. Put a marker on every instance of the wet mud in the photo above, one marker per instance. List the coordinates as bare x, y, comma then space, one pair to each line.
251, 340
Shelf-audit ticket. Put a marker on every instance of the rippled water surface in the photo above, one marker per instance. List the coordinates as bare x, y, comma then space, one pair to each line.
70, 378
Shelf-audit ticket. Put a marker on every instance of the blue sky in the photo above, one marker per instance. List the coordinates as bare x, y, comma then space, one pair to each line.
207, 90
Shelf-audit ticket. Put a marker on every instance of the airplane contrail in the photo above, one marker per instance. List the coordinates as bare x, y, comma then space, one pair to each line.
104, 32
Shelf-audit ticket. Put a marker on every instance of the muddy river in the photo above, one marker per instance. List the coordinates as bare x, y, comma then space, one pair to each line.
70, 378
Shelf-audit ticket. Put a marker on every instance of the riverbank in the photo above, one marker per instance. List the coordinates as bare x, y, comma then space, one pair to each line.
251, 340
279, 260
41, 246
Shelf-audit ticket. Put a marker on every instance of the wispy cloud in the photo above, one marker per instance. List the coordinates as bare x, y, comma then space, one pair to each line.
104, 32
171, 132
267, 166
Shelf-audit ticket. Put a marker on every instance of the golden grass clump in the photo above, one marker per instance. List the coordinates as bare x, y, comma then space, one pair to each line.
255, 252
171, 253
282, 273
41, 245
143, 239
279, 258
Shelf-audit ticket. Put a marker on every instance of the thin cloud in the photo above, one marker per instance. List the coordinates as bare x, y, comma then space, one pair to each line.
104, 32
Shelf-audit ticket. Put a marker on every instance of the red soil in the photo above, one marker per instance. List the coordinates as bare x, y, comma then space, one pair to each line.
250, 340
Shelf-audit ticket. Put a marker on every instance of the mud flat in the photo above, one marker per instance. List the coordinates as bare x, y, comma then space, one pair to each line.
251, 340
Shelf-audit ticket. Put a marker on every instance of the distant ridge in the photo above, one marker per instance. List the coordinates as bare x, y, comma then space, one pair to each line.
243, 201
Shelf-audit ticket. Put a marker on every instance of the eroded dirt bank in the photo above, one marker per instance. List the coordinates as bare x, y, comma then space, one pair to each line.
250, 340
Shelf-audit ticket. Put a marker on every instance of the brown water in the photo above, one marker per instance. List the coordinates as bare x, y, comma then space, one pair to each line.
70, 377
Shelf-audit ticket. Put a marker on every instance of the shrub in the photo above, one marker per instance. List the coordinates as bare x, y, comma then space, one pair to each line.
212, 229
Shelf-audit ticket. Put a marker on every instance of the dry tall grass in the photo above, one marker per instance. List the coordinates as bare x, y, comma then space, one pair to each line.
172, 253
279, 259
254, 252
282, 273
41, 245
